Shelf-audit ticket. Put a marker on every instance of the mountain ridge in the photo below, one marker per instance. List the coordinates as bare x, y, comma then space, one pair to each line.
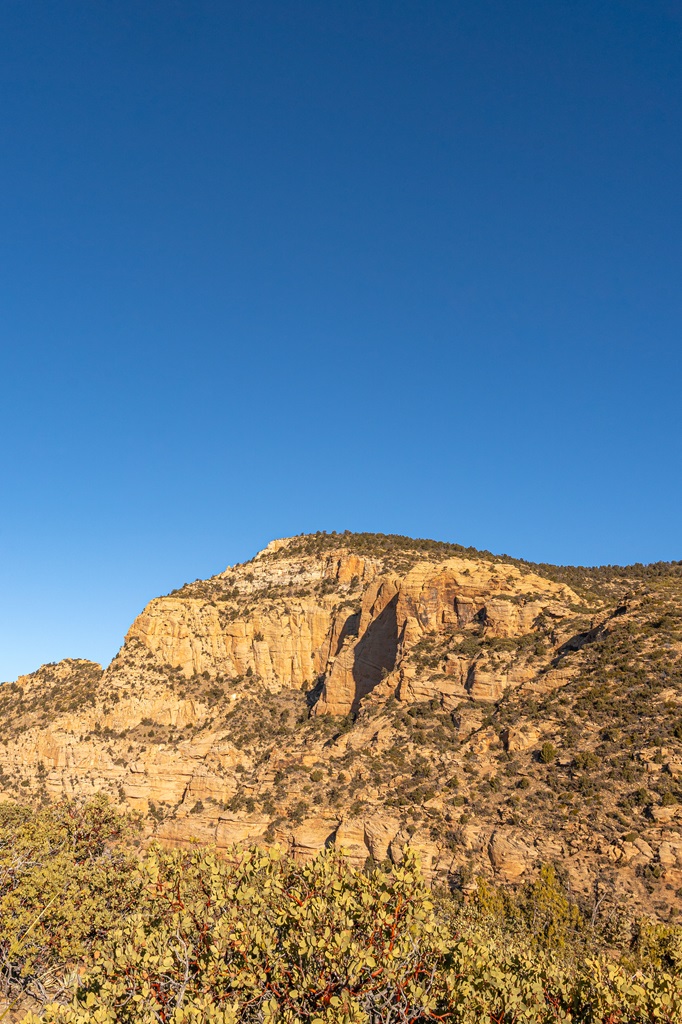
375, 692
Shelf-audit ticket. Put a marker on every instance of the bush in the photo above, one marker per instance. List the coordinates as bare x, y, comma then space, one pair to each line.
259, 938
64, 882
547, 752
186, 937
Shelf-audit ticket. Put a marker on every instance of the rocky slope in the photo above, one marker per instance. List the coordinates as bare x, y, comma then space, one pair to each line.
375, 691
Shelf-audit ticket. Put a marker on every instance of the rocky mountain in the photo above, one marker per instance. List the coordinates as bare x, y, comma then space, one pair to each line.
375, 691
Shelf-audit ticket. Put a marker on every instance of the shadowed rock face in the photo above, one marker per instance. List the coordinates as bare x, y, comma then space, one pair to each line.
321, 694
363, 660
432, 600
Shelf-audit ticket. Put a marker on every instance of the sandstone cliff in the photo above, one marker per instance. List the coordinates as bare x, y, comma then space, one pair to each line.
374, 692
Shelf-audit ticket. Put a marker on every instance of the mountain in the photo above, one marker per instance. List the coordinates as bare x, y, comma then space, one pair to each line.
376, 692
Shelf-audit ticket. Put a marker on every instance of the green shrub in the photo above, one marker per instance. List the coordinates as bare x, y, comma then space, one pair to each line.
64, 882
258, 938
548, 752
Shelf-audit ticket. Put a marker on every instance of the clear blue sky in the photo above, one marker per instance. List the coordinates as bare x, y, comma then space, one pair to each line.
274, 267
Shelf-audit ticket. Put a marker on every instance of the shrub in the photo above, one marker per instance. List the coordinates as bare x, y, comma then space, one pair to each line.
64, 882
547, 752
259, 938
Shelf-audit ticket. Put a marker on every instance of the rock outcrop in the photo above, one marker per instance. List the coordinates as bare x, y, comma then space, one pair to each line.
270, 622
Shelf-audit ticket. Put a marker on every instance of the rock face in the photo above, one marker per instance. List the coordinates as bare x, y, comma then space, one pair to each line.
509, 855
287, 649
354, 646
429, 602
374, 693
243, 628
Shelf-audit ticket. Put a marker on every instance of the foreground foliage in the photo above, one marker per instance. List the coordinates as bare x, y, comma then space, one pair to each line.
64, 882
185, 937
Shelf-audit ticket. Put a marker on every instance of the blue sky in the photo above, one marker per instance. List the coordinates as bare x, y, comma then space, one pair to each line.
275, 267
